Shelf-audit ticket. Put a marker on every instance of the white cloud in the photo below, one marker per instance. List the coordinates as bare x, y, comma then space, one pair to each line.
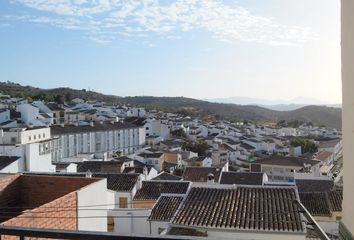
225, 22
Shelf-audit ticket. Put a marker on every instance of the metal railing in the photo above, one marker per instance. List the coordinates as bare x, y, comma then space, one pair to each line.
23, 232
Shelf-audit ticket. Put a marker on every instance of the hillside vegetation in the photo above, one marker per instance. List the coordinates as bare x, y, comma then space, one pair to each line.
318, 115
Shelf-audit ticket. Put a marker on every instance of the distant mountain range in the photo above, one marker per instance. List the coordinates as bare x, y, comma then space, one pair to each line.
318, 115
278, 105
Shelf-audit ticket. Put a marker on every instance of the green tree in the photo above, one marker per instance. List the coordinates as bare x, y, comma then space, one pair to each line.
59, 99
307, 146
199, 147
179, 133
68, 97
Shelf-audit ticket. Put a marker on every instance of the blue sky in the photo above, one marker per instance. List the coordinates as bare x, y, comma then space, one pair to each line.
269, 49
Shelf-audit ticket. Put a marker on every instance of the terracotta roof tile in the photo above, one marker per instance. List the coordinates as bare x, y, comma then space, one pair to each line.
200, 174
316, 203
242, 178
151, 190
336, 198
256, 208
167, 176
165, 208
312, 185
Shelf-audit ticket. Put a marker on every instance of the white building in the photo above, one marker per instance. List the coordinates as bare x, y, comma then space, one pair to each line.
31, 117
99, 138
284, 169
35, 147
136, 112
155, 128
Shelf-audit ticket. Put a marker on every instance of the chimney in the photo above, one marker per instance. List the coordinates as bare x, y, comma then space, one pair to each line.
145, 172
61, 124
112, 122
91, 123
88, 174
211, 178
101, 122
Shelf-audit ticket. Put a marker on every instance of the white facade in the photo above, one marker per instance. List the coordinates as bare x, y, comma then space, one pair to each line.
94, 195
131, 221
4, 115
136, 112
110, 141
158, 227
155, 128
279, 173
34, 147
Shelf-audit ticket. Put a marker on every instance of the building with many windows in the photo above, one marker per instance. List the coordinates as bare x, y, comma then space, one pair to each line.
103, 139
34, 148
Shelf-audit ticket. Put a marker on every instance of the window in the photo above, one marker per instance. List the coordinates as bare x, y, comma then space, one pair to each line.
123, 202
13, 140
34, 137
39, 136
110, 223
29, 138
43, 135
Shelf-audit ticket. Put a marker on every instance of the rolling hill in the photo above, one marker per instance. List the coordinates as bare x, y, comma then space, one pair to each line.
318, 115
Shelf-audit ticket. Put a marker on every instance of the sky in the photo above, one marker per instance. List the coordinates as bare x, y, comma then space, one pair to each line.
205, 49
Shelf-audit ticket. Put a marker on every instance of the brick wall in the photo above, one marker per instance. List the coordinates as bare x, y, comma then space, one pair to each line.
51, 201
38, 190
9, 195
58, 214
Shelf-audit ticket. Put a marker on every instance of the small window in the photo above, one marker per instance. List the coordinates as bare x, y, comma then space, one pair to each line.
39, 136
34, 137
43, 135
29, 138
123, 202
13, 140
110, 223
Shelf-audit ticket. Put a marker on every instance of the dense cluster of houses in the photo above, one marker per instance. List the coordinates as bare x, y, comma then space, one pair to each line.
134, 164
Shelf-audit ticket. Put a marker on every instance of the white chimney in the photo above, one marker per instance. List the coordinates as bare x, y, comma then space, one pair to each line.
145, 172
88, 174
210, 178
91, 123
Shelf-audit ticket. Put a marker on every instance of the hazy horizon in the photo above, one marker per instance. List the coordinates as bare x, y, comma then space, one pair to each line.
268, 50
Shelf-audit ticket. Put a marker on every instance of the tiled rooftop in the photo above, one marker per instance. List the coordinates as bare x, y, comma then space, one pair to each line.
312, 185
242, 178
167, 176
322, 203
336, 198
200, 174
316, 203
286, 161
165, 208
67, 129
151, 190
251, 208
119, 182
99, 166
